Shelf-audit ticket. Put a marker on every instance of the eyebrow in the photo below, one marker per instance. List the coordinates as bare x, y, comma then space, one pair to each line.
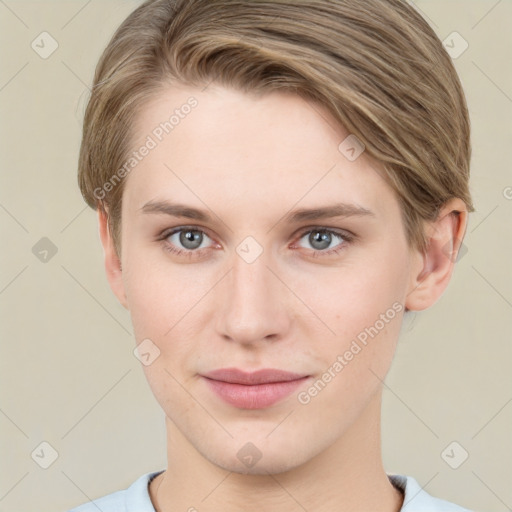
299, 215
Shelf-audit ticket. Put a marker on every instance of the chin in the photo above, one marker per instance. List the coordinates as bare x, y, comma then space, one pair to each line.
267, 465
261, 456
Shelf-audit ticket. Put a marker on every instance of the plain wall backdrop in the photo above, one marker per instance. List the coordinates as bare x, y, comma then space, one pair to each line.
69, 377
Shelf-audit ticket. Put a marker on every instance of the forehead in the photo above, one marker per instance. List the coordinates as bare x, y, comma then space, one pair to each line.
229, 149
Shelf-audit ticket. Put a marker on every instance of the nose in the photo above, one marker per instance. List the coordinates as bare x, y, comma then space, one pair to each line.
254, 304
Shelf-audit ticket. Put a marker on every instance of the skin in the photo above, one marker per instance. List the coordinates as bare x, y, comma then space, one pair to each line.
249, 161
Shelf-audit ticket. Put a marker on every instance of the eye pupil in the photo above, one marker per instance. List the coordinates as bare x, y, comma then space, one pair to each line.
320, 236
189, 238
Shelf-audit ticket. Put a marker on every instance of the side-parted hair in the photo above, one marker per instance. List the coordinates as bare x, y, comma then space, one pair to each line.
376, 65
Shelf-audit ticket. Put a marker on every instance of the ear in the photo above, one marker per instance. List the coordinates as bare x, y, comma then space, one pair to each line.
112, 262
432, 275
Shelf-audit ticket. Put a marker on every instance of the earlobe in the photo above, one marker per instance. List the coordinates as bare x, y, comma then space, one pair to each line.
113, 267
431, 277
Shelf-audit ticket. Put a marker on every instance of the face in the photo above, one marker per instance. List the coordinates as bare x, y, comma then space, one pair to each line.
256, 272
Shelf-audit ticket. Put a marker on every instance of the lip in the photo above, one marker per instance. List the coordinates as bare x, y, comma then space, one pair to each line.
264, 376
253, 390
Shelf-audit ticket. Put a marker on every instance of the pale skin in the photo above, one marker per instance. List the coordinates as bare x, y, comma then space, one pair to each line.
248, 162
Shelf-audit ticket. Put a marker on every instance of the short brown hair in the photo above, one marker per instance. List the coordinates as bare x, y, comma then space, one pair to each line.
376, 65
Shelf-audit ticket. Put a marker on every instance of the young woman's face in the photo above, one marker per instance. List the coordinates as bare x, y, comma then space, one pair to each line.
249, 283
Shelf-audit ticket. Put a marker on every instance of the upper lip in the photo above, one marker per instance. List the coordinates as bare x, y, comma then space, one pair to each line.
264, 376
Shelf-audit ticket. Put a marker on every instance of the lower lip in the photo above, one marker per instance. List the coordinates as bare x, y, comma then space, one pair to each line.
256, 396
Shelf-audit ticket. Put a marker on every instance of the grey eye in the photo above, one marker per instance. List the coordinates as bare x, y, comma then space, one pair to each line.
321, 239
189, 239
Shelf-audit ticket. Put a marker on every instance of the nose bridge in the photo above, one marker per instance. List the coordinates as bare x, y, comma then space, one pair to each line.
254, 306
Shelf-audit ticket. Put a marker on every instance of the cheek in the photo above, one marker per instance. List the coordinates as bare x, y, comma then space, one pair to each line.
355, 295
365, 310
164, 304
362, 305
160, 294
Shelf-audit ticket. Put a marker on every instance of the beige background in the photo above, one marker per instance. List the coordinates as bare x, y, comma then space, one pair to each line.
68, 373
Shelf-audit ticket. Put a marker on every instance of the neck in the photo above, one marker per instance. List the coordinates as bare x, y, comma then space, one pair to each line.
346, 476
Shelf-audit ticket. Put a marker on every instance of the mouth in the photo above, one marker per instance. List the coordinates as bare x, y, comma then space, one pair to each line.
256, 390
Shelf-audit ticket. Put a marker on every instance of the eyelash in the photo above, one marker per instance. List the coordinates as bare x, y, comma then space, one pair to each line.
346, 237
